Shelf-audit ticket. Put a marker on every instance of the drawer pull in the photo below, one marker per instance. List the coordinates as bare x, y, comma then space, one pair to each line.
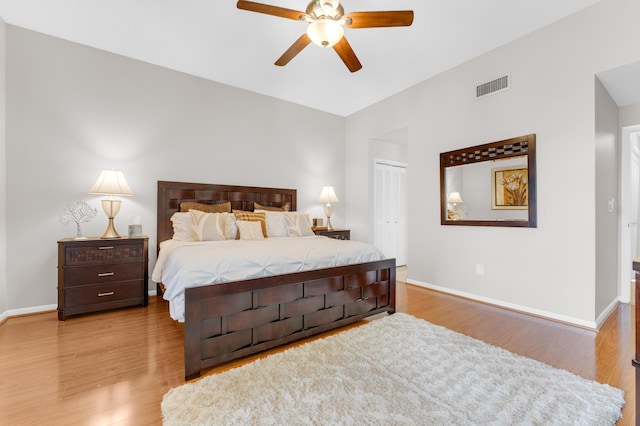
105, 248
106, 293
106, 274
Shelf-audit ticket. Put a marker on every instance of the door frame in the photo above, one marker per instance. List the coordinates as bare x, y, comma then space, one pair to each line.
624, 291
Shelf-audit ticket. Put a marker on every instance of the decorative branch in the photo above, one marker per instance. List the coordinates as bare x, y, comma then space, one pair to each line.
78, 212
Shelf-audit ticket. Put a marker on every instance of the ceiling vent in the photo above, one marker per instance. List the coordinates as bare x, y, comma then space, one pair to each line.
494, 86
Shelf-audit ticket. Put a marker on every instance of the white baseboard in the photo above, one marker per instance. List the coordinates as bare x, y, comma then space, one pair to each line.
27, 311
603, 316
524, 309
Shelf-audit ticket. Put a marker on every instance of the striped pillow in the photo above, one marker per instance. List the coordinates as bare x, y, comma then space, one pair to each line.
252, 217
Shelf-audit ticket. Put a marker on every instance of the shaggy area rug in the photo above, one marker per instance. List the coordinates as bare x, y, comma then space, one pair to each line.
396, 370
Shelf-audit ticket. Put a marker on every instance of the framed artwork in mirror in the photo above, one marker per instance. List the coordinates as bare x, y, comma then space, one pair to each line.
509, 188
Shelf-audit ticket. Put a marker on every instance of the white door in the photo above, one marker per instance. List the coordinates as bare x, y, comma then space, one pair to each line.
390, 209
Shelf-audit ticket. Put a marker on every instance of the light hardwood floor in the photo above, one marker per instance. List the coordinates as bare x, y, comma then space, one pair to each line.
113, 368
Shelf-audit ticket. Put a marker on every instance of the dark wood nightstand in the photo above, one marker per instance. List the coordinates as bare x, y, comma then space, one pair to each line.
98, 274
338, 234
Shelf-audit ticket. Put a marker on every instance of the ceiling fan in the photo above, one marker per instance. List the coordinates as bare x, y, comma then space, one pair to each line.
327, 21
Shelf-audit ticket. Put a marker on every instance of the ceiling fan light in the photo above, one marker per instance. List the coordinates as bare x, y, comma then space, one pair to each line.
325, 32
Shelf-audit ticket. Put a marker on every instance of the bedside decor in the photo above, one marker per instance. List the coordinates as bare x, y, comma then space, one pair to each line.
111, 182
78, 212
329, 196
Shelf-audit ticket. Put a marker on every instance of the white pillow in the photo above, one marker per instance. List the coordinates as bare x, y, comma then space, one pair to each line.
298, 224
250, 230
276, 223
230, 226
207, 226
181, 222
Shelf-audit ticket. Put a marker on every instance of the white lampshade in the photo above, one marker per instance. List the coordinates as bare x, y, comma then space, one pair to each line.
325, 32
454, 197
328, 195
111, 182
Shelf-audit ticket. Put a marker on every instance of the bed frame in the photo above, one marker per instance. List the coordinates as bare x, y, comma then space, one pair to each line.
227, 321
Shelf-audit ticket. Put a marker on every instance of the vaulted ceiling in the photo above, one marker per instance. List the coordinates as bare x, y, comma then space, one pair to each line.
214, 40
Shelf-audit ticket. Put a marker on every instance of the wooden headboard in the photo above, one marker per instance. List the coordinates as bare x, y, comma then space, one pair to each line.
171, 194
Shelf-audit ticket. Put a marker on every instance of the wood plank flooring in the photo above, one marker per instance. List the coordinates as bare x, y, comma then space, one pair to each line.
113, 368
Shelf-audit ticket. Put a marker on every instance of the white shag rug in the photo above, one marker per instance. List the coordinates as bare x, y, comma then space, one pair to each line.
396, 370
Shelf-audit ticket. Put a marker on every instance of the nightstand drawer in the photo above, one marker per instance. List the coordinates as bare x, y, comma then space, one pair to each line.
103, 274
104, 252
103, 293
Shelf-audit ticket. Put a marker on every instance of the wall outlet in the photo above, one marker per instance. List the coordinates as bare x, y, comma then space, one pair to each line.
479, 269
611, 205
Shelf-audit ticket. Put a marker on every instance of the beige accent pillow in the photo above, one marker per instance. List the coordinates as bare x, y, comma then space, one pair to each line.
207, 208
250, 230
284, 208
298, 224
207, 226
253, 217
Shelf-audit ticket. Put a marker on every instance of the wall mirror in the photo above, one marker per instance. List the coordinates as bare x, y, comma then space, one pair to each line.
490, 185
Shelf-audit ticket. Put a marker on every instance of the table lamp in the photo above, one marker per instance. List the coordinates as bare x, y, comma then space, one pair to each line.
111, 182
328, 195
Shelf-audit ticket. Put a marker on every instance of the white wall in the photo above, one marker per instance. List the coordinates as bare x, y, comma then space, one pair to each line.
606, 184
73, 110
629, 115
548, 270
3, 174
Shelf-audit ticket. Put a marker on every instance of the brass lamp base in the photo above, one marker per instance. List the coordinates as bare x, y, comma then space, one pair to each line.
111, 231
111, 208
328, 211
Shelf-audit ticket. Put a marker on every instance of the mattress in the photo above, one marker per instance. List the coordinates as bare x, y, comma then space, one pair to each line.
183, 264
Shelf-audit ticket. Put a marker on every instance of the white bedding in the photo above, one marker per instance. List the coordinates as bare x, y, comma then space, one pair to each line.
184, 264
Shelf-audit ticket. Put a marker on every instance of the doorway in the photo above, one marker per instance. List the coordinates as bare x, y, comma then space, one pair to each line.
629, 211
390, 209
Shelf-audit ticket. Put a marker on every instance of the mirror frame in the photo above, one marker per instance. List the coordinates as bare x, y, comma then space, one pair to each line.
507, 148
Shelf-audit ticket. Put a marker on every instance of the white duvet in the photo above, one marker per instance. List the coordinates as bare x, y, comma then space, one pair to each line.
184, 264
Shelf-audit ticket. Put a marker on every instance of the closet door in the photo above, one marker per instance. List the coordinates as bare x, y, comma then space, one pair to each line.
390, 209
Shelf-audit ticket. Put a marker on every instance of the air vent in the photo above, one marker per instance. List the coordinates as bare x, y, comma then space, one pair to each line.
493, 86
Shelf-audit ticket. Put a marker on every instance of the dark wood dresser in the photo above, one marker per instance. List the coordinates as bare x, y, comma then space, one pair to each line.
96, 274
338, 234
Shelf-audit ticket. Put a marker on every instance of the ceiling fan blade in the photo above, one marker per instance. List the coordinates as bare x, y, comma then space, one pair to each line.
295, 48
270, 10
392, 18
348, 56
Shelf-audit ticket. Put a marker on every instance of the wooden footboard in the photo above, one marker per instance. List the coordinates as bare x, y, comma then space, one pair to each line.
227, 321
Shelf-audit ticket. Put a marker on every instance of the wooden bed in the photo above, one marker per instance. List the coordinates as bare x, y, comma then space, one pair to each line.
227, 321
